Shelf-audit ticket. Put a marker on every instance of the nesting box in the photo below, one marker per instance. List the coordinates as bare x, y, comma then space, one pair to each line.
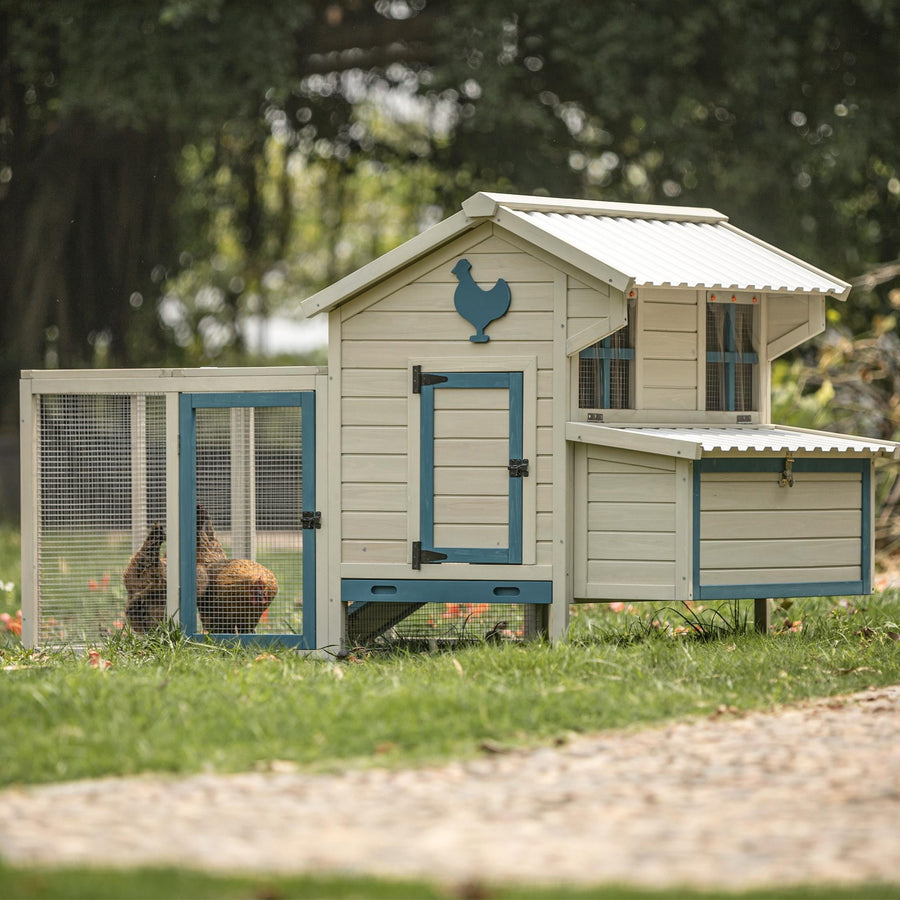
534, 402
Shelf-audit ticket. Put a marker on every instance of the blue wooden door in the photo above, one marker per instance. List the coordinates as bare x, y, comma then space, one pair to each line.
471, 468
247, 516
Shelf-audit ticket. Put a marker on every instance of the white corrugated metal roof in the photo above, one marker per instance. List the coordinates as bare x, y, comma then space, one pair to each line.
671, 252
621, 244
694, 442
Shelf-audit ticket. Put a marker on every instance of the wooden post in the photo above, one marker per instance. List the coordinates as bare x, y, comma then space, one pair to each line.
762, 615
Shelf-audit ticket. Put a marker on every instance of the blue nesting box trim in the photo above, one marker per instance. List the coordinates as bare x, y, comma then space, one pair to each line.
514, 383
385, 590
798, 589
187, 474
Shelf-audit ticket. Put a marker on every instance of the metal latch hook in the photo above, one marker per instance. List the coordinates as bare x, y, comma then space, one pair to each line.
787, 476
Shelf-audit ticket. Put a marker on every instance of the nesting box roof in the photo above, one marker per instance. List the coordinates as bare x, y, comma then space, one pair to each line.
623, 244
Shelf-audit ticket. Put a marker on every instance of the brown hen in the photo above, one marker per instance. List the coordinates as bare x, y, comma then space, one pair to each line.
145, 583
239, 592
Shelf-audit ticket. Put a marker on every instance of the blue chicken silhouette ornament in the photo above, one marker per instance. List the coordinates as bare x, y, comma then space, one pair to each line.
477, 305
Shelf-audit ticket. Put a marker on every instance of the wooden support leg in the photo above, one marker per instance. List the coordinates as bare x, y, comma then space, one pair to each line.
762, 615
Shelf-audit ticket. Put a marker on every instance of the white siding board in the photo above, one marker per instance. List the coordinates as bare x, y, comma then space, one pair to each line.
462, 481
660, 345
749, 495
631, 572
375, 325
375, 382
374, 551
374, 497
794, 575
373, 468
363, 525
377, 411
385, 353
471, 399
631, 545
462, 509
671, 373
471, 453
670, 317
488, 423
800, 552
781, 524
373, 439
585, 303
599, 458
632, 489
604, 517
420, 297
488, 267
471, 535
670, 398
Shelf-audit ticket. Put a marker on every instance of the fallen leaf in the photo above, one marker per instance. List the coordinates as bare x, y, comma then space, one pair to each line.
97, 661
265, 656
385, 747
457, 666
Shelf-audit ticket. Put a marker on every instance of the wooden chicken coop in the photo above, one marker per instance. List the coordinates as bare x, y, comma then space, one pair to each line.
533, 403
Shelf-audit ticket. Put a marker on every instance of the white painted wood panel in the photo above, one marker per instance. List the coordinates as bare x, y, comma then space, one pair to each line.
373, 439
669, 317
779, 575
489, 536
373, 468
784, 314
632, 489
471, 453
464, 481
631, 572
671, 373
488, 267
366, 496
587, 304
359, 411
651, 462
614, 467
471, 399
483, 423
631, 545
604, 517
670, 398
591, 591
769, 496
781, 524
374, 325
660, 345
375, 382
429, 297
491, 510
374, 551
801, 552
367, 525
384, 354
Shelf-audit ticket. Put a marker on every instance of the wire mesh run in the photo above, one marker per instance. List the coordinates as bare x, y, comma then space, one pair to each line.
435, 625
249, 534
100, 487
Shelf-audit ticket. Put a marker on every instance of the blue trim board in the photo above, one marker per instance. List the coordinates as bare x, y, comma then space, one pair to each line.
188, 404
383, 590
799, 589
514, 383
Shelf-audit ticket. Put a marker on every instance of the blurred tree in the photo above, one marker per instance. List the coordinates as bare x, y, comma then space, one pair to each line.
169, 167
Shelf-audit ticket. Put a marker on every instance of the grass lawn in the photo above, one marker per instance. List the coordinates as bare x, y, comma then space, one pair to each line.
151, 884
167, 705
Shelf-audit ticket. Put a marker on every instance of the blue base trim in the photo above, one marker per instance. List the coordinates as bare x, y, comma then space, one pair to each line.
764, 591
364, 590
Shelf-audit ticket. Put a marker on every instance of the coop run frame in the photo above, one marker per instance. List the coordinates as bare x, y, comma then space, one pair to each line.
179, 394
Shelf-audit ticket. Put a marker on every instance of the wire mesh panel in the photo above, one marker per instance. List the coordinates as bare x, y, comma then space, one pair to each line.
730, 357
100, 485
439, 624
249, 537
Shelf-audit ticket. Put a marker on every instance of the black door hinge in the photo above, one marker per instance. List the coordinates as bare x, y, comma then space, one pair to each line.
420, 556
518, 468
420, 378
310, 520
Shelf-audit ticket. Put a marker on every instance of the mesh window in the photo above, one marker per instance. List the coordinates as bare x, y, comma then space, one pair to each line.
100, 489
729, 332
433, 625
249, 537
592, 369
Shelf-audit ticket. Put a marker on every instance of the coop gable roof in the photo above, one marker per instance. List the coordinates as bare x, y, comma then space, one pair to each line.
622, 244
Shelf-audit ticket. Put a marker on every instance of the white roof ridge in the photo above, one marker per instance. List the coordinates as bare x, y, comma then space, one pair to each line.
486, 204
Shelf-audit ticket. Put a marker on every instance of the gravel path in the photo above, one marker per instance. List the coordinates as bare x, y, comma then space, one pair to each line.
809, 794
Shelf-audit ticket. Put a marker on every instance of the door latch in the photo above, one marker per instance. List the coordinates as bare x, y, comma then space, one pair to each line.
310, 520
518, 468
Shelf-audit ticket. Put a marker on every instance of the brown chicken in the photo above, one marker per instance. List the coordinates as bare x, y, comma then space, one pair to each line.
145, 583
232, 594
239, 592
